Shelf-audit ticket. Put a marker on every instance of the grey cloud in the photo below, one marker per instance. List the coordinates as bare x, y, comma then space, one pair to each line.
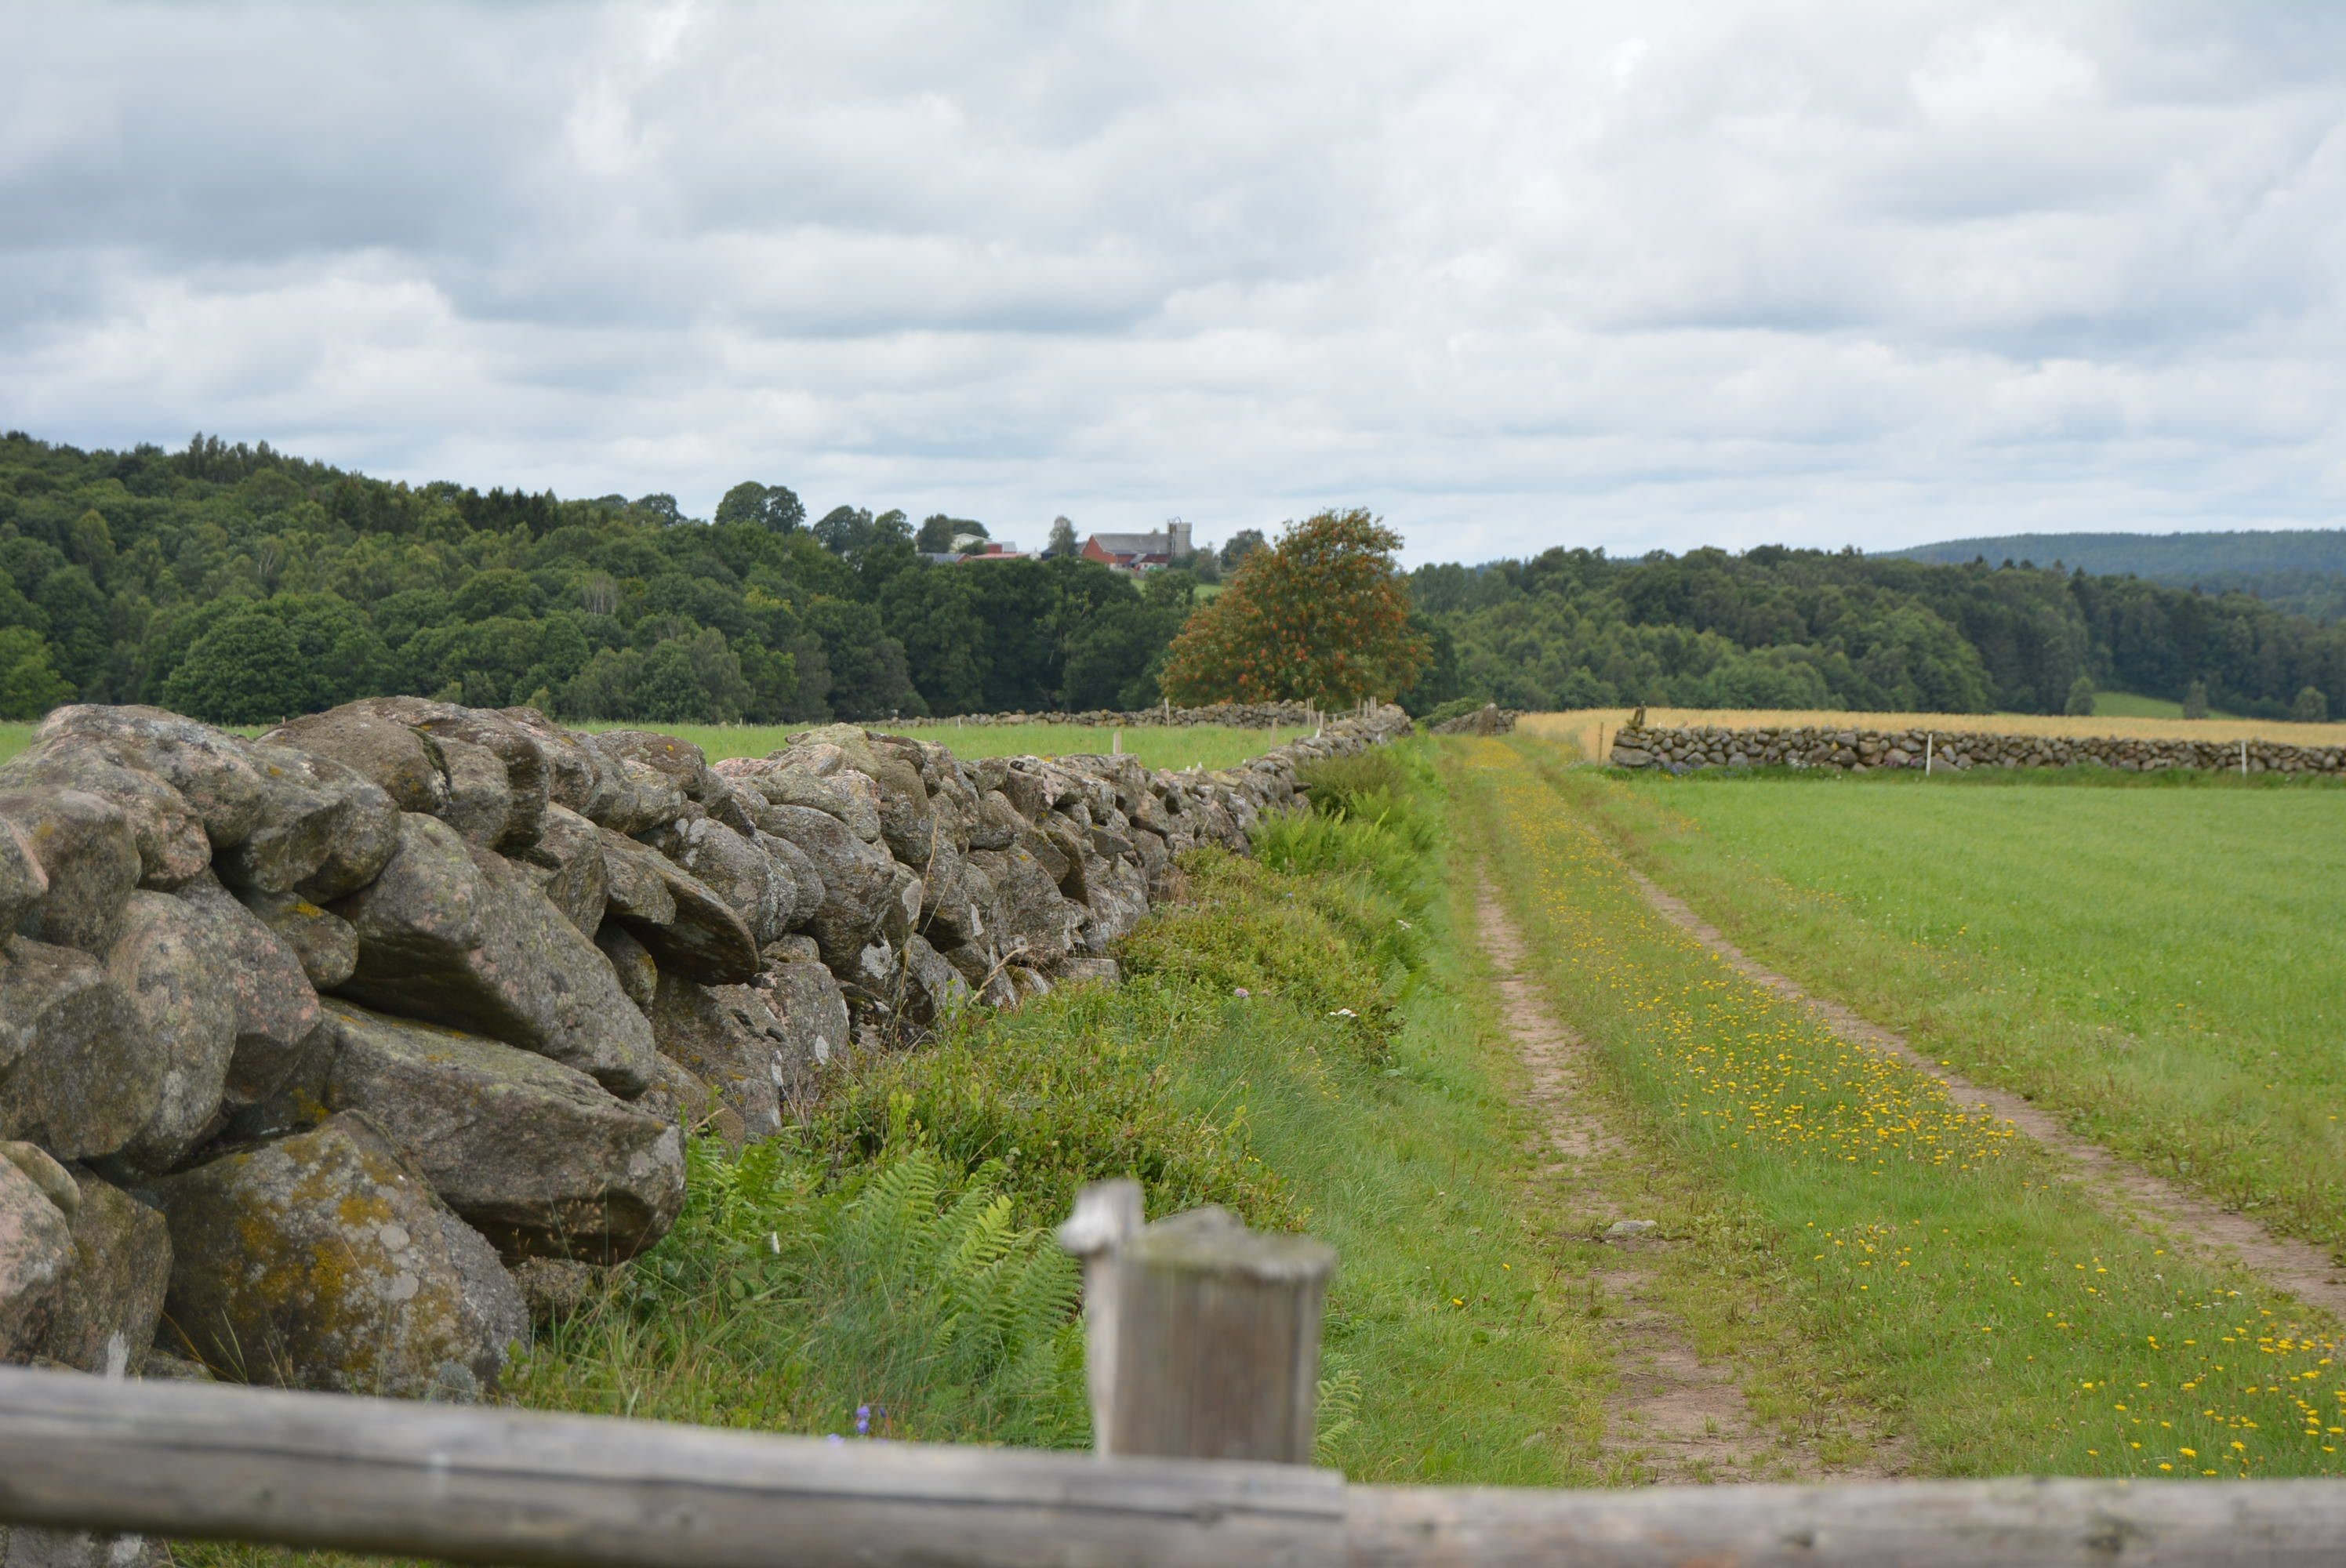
1613, 274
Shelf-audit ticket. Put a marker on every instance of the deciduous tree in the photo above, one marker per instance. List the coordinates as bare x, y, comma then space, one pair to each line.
1323, 615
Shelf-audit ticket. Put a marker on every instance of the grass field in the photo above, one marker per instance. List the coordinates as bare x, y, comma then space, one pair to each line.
2166, 968
1204, 745
2007, 1324
1581, 726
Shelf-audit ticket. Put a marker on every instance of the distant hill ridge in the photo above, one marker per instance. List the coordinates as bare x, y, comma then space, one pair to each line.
2302, 570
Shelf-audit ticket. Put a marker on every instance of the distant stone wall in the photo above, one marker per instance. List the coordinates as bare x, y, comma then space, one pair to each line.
316, 1045
1488, 720
1234, 715
1681, 750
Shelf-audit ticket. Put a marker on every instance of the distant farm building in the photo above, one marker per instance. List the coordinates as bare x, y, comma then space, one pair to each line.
1140, 551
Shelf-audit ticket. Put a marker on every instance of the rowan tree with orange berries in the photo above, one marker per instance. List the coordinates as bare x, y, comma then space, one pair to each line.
1322, 615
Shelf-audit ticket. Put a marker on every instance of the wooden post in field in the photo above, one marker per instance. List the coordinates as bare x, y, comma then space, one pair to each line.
1927, 742
1116, 743
1203, 1337
2244, 756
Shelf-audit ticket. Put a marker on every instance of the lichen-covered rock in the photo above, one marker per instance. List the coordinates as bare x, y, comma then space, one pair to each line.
21, 881
480, 801
534, 1155
686, 924
1037, 925
105, 1316
632, 962
678, 1097
76, 1076
456, 934
172, 846
857, 879
272, 1001
731, 867
733, 1040
1116, 899
569, 852
166, 965
88, 858
807, 999
853, 797
324, 1261
321, 941
933, 987
36, 1257
401, 761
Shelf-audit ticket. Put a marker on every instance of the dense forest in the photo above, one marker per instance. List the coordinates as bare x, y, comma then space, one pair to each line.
2300, 570
1806, 629
242, 584
238, 584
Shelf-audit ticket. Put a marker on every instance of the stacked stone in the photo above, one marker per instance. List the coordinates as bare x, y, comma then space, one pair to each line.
1488, 720
1683, 750
310, 1044
1231, 715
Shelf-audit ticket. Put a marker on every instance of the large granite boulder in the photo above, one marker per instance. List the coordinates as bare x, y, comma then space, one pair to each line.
21, 881
76, 1074
178, 982
687, 925
88, 858
36, 1254
857, 879
456, 934
731, 867
733, 1040
321, 941
536, 1157
172, 845
402, 761
806, 998
567, 864
324, 1261
105, 1316
272, 1001
1037, 925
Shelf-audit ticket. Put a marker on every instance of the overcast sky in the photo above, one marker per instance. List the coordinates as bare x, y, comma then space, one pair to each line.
1636, 276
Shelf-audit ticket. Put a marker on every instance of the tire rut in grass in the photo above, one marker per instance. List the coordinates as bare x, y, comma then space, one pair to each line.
2299, 1268
1673, 1417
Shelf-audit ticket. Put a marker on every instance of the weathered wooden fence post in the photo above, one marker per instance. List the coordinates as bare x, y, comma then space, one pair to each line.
1203, 1337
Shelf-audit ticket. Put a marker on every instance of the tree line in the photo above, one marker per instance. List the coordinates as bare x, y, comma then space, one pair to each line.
1778, 628
242, 584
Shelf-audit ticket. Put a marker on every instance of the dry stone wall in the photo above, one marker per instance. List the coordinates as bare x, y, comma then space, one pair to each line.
1684, 749
309, 1044
1234, 715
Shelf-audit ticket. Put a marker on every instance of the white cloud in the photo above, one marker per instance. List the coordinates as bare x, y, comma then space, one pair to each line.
1613, 274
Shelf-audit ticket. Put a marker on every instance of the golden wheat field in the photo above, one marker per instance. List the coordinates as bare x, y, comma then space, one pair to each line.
1592, 728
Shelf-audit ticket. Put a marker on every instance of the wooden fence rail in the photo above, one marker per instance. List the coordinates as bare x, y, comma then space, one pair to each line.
482, 1485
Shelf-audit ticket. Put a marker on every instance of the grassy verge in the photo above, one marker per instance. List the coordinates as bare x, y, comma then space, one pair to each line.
1301, 1039
2007, 1323
2163, 964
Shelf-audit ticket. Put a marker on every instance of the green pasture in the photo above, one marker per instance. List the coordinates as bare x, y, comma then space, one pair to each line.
2002, 1321
2165, 967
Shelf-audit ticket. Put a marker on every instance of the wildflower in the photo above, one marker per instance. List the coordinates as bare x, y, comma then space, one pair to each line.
863, 1420
1240, 991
